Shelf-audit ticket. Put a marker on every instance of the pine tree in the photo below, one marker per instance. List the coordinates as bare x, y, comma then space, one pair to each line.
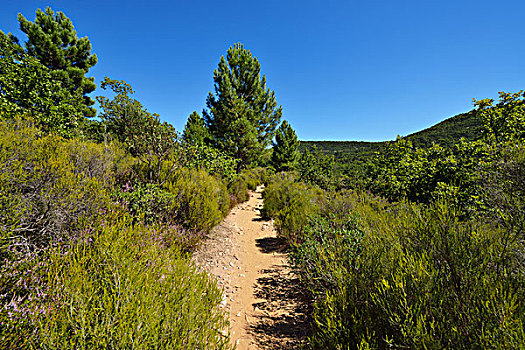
52, 40
195, 131
242, 114
285, 149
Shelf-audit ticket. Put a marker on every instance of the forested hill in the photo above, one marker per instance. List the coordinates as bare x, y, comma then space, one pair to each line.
445, 133
449, 131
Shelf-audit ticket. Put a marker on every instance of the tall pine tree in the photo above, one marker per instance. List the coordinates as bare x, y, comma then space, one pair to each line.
52, 40
195, 131
285, 149
242, 114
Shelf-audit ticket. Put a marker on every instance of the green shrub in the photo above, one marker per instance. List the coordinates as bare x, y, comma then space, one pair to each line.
328, 250
43, 192
48, 185
238, 191
201, 200
212, 160
290, 204
418, 278
122, 288
98, 161
147, 201
255, 177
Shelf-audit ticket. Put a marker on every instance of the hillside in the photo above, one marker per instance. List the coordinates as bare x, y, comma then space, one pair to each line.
445, 133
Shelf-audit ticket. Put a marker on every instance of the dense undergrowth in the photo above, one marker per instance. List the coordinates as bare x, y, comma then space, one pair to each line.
93, 258
411, 246
437, 264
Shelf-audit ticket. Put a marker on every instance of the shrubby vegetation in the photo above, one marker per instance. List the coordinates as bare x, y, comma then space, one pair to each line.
123, 287
437, 265
65, 239
98, 218
415, 244
290, 203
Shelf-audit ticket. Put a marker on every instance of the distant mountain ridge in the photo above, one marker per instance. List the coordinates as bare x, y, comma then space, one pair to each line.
445, 133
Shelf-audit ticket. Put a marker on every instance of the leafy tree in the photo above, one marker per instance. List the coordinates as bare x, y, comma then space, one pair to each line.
195, 131
27, 87
242, 114
153, 142
317, 169
285, 154
504, 121
52, 40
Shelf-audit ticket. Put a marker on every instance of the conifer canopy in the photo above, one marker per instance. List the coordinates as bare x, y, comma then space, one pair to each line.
52, 40
285, 149
242, 114
195, 131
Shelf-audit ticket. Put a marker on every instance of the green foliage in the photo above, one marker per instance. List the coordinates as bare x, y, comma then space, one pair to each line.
43, 192
329, 249
212, 160
317, 169
27, 87
504, 121
195, 131
448, 274
352, 157
122, 288
48, 187
285, 154
238, 191
425, 174
201, 200
153, 142
53, 41
407, 276
291, 204
77, 274
255, 177
242, 114
148, 202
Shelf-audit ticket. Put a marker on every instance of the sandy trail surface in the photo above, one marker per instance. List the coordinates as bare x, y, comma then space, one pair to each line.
261, 294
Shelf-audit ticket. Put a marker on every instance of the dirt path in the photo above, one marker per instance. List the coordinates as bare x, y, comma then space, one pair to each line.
260, 291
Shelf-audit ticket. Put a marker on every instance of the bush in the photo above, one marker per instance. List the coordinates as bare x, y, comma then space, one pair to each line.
418, 278
212, 160
43, 192
290, 204
238, 191
121, 287
328, 251
201, 200
147, 201
255, 177
98, 161
48, 186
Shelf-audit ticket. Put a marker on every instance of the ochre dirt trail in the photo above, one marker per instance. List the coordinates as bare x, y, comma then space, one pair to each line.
261, 294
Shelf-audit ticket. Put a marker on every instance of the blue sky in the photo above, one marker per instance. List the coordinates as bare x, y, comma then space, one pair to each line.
342, 70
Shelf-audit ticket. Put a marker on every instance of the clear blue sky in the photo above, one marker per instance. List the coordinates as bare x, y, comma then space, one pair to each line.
342, 70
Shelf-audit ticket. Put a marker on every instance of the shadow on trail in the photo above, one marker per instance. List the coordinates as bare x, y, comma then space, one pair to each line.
282, 322
269, 245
